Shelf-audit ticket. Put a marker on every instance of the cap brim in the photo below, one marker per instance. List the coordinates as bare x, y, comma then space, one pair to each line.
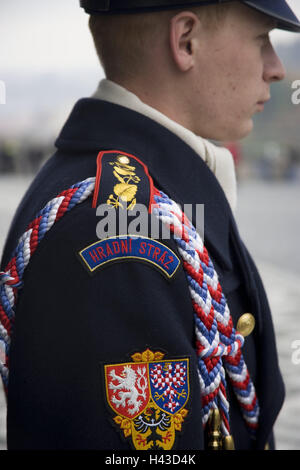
280, 11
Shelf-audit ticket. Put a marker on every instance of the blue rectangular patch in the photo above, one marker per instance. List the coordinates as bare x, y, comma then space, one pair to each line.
130, 248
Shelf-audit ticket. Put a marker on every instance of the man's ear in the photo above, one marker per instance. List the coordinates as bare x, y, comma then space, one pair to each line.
184, 29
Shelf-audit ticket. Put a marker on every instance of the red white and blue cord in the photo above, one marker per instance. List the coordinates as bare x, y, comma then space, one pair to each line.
12, 279
218, 345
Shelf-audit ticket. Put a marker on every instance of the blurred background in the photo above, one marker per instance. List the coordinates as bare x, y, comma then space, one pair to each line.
47, 62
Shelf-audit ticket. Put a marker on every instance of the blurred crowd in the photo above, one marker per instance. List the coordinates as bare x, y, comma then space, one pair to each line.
22, 159
273, 163
279, 163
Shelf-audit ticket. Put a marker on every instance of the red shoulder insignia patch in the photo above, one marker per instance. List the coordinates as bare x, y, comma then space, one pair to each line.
122, 180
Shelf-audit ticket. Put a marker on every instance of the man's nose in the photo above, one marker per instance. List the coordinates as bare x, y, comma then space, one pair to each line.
274, 70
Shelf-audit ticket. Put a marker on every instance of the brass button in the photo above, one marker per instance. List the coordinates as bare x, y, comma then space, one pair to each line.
124, 160
246, 324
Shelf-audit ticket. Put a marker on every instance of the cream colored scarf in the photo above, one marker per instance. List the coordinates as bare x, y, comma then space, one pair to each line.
218, 159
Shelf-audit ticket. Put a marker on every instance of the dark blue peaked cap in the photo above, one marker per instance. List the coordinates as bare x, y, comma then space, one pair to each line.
277, 9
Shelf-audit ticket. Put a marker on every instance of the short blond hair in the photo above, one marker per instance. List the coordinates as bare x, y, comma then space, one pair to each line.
123, 42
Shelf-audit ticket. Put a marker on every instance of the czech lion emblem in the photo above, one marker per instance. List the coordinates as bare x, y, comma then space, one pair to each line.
128, 386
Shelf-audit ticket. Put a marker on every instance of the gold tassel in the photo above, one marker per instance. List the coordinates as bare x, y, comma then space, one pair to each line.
214, 433
215, 441
228, 443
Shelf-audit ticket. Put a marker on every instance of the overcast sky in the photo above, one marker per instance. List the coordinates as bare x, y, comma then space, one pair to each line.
52, 35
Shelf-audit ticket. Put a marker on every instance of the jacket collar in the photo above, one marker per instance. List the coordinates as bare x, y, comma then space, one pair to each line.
176, 169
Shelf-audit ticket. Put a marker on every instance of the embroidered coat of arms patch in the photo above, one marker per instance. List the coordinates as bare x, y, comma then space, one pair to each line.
149, 396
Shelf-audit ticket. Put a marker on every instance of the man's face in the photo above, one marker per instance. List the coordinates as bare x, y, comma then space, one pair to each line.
232, 77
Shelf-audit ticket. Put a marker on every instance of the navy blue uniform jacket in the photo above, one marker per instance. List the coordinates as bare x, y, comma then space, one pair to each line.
68, 323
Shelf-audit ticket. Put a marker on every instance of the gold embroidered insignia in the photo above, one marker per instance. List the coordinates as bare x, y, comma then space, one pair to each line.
126, 189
